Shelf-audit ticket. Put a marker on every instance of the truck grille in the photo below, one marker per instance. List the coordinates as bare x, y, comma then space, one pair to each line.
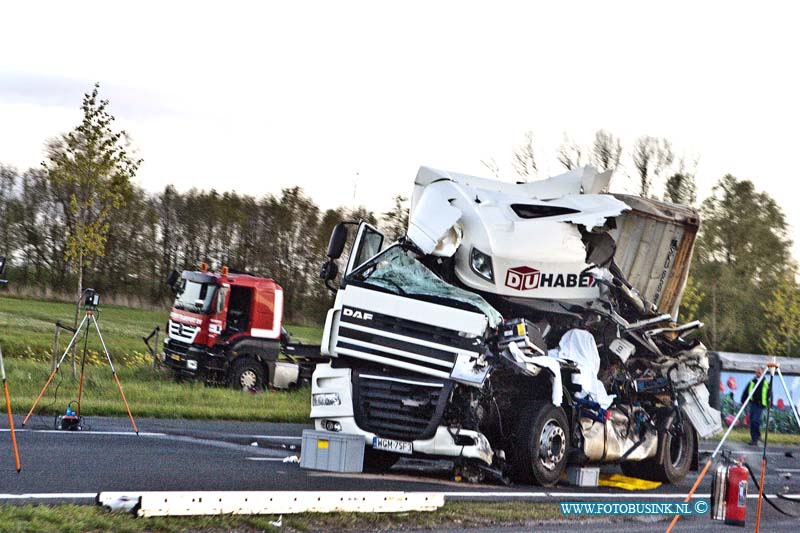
398, 408
182, 332
403, 343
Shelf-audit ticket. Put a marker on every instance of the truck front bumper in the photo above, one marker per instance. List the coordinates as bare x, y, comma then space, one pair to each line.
184, 361
448, 442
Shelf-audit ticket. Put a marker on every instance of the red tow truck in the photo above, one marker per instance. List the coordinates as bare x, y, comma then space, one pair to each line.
227, 328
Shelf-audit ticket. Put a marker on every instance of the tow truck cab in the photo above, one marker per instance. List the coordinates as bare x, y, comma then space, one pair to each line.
227, 328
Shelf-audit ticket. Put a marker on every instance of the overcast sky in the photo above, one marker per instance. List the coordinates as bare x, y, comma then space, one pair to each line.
351, 97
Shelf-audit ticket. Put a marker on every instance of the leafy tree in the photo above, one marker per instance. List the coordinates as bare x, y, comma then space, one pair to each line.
681, 189
91, 170
395, 221
742, 254
524, 159
690, 302
782, 319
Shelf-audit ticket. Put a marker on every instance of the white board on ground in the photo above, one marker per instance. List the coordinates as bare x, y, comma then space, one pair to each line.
269, 502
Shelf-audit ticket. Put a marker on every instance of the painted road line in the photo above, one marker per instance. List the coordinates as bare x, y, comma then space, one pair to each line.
265, 458
637, 495
87, 432
48, 496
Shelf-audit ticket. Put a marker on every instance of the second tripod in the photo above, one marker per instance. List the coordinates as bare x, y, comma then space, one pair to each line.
90, 305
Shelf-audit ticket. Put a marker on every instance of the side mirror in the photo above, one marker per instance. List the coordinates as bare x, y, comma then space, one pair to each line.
338, 240
329, 270
172, 280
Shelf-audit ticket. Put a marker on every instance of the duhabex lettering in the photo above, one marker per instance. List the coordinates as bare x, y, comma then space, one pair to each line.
363, 315
525, 278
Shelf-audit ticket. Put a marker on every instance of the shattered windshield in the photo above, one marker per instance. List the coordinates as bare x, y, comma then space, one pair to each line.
396, 272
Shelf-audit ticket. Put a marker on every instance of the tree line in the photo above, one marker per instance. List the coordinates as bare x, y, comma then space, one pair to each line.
78, 220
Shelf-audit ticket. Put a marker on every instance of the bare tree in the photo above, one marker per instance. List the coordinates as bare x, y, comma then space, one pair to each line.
524, 161
570, 153
491, 165
651, 157
606, 150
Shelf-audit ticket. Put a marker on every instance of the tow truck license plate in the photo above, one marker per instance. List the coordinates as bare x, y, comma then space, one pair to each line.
390, 445
175, 357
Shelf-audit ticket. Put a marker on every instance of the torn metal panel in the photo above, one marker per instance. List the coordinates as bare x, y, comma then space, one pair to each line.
654, 249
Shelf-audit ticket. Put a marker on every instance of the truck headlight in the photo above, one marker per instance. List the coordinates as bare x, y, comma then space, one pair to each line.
481, 264
325, 399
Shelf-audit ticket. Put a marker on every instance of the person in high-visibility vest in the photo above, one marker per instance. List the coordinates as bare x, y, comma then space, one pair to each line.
760, 400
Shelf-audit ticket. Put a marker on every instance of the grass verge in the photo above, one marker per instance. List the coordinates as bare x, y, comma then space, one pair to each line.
27, 329
151, 393
743, 435
73, 518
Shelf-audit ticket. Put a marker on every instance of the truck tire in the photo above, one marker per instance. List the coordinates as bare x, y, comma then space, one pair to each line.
247, 375
673, 461
377, 461
539, 445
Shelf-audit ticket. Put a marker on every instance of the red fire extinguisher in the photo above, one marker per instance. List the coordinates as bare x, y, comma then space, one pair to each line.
736, 495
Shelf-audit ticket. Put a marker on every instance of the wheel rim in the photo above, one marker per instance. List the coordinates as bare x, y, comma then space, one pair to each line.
248, 380
552, 444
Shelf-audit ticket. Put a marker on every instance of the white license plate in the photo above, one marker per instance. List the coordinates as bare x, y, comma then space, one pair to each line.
391, 445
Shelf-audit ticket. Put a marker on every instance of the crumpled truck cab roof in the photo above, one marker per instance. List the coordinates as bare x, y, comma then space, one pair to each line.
541, 239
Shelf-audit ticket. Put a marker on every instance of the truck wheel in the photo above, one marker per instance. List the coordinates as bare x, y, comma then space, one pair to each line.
247, 375
539, 446
675, 459
377, 461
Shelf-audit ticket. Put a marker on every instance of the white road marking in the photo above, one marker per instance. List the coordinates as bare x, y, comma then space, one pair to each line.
88, 432
48, 496
589, 495
473, 495
264, 458
747, 452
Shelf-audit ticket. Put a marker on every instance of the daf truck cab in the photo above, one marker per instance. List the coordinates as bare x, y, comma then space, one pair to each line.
516, 329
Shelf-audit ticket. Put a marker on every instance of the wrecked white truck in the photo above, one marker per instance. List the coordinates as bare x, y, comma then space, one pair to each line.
516, 329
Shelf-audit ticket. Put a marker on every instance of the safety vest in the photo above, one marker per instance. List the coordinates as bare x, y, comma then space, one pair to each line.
764, 391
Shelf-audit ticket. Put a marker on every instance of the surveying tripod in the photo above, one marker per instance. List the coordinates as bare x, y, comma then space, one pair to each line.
773, 368
5, 383
90, 308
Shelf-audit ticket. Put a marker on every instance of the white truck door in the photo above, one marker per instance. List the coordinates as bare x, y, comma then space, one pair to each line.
367, 244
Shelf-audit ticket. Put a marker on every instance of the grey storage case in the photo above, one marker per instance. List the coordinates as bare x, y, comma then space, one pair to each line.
583, 476
333, 452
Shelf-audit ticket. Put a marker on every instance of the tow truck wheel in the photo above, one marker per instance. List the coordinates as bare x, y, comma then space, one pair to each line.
677, 447
540, 445
377, 461
247, 375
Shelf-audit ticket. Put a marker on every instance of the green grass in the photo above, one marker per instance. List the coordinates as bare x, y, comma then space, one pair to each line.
27, 329
73, 518
743, 435
151, 393
26, 337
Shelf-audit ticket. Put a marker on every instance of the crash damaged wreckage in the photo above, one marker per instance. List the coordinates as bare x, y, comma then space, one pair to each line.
516, 329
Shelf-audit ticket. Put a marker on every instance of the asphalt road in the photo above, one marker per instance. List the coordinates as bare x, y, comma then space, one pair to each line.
214, 455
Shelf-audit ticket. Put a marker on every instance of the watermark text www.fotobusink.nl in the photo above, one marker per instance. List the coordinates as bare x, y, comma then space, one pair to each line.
634, 508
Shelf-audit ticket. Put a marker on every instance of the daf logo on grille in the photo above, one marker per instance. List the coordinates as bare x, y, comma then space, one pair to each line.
363, 315
180, 328
410, 402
